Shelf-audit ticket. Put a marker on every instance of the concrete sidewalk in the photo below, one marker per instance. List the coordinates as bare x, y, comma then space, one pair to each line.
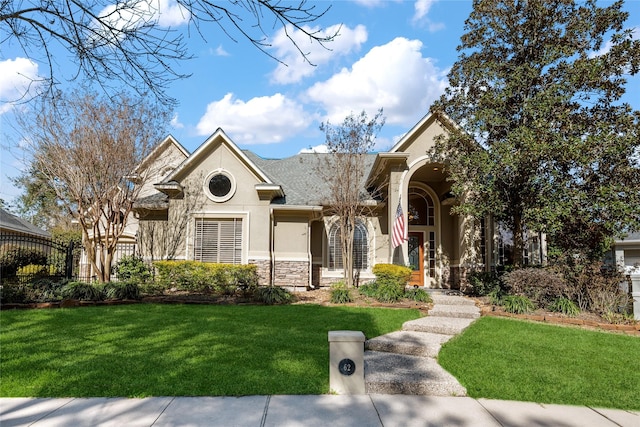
305, 410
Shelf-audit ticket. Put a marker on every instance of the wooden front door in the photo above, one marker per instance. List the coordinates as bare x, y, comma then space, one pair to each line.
416, 258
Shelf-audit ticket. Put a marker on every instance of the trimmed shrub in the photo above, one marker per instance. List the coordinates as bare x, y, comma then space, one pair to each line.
272, 295
565, 306
481, 283
517, 304
133, 267
418, 294
391, 281
121, 290
340, 294
204, 277
540, 285
81, 291
391, 273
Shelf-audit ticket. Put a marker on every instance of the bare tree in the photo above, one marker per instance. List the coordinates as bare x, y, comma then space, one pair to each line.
162, 238
345, 172
87, 148
127, 41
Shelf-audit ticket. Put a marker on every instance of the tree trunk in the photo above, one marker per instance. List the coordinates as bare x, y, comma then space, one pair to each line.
518, 241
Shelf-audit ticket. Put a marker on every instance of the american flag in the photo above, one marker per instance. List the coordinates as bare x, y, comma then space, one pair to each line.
398, 232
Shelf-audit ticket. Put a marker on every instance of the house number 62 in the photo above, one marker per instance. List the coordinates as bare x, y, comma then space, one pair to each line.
347, 367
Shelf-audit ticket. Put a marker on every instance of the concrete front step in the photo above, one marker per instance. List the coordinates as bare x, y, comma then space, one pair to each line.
423, 344
390, 373
451, 300
462, 311
438, 325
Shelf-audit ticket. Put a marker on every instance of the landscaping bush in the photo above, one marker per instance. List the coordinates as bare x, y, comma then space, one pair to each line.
418, 294
564, 306
389, 292
81, 291
390, 281
203, 277
14, 257
340, 294
517, 304
45, 289
272, 295
391, 273
121, 290
12, 292
369, 289
133, 268
540, 285
593, 286
481, 283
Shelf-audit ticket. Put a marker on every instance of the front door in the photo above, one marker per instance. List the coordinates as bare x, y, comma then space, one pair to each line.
416, 258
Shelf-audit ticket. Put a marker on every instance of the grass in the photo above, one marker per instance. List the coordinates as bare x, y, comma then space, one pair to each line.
515, 360
177, 350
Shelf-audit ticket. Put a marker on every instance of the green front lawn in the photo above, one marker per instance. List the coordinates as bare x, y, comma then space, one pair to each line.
515, 360
177, 350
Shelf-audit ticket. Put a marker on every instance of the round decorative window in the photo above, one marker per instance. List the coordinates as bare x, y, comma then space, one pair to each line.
220, 185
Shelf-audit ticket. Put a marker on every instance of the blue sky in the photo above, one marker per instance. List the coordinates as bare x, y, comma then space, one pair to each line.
390, 54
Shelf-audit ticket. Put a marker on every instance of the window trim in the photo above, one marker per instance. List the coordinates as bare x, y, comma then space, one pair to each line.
333, 230
213, 197
218, 216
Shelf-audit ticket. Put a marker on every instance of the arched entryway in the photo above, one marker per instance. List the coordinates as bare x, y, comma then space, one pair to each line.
422, 235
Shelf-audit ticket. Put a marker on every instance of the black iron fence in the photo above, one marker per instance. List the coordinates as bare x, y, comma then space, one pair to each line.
24, 258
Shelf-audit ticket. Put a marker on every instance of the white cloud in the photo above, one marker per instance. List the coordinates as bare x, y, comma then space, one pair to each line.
123, 16
422, 8
17, 78
262, 120
219, 51
175, 122
294, 66
322, 148
395, 77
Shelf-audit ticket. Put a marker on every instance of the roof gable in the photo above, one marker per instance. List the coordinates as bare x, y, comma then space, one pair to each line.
206, 148
426, 123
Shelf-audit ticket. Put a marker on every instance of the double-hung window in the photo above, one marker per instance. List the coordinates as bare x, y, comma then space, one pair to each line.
218, 240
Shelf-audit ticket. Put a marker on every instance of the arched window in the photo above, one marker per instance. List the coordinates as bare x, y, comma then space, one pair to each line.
360, 247
421, 207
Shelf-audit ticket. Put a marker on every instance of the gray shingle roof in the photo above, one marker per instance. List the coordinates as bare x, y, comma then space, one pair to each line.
13, 223
154, 201
298, 176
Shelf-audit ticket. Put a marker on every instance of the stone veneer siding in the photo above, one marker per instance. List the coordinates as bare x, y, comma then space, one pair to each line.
293, 275
263, 270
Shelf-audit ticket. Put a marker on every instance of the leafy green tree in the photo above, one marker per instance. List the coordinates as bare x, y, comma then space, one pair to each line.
38, 202
544, 142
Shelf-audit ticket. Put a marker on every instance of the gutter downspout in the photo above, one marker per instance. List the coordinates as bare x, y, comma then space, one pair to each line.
272, 260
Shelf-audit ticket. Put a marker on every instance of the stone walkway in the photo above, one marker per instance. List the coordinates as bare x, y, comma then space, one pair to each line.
404, 362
